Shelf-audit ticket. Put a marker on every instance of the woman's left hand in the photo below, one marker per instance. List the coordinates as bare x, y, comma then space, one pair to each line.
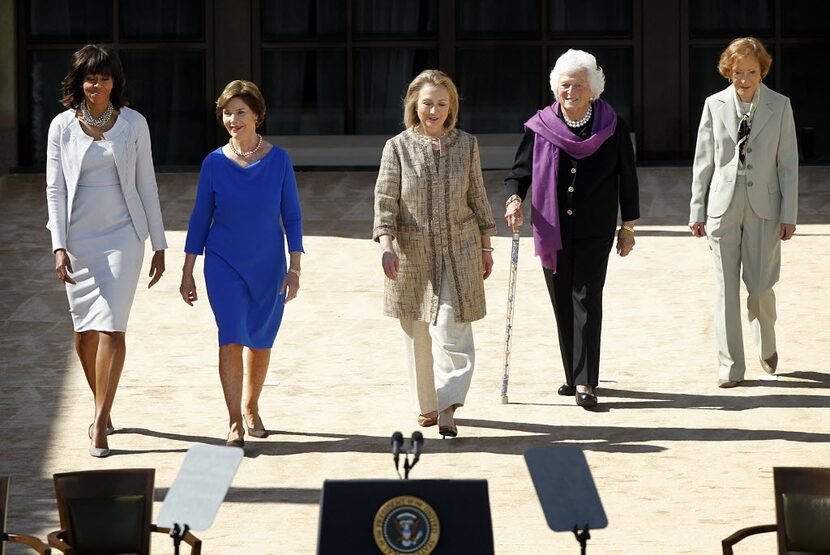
487, 262
290, 286
625, 242
156, 268
787, 232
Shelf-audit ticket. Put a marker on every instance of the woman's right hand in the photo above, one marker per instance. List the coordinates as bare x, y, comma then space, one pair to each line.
513, 214
188, 289
63, 266
391, 264
698, 229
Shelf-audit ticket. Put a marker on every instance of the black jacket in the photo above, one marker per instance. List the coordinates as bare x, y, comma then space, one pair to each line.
590, 188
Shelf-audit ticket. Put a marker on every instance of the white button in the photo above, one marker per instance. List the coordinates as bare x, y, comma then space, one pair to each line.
570, 189
569, 212
573, 170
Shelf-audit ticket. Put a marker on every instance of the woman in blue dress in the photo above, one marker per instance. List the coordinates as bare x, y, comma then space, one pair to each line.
247, 195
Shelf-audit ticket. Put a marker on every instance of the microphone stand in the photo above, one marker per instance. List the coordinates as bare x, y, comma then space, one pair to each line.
177, 534
582, 536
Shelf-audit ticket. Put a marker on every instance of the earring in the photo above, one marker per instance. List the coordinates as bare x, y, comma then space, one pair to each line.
591, 99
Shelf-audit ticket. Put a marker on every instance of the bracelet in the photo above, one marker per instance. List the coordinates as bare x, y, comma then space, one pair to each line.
294, 271
511, 198
487, 249
627, 228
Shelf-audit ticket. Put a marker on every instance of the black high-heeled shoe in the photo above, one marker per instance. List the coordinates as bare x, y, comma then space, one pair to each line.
253, 431
446, 423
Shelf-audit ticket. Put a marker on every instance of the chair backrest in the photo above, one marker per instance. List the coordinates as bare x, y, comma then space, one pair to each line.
106, 511
802, 509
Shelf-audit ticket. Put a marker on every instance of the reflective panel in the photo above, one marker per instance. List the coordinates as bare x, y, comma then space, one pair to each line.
167, 88
161, 19
84, 20
499, 87
617, 64
297, 19
381, 78
735, 18
590, 17
395, 17
806, 17
46, 70
305, 91
805, 87
516, 18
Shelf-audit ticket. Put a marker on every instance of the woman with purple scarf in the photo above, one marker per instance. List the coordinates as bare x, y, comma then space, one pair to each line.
578, 156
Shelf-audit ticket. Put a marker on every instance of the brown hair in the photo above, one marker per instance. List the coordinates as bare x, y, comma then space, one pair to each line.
437, 78
246, 91
93, 60
741, 48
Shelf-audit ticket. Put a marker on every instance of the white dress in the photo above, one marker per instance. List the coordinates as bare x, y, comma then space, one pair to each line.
105, 251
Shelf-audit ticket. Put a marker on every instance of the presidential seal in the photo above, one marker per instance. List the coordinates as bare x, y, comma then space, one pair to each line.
406, 524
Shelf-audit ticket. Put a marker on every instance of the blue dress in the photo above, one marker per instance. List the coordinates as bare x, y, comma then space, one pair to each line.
236, 223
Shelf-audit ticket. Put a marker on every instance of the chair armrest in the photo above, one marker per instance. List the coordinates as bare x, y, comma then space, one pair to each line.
56, 540
727, 543
31, 541
191, 540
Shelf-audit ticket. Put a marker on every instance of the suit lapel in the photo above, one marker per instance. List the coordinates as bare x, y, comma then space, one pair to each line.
728, 113
763, 112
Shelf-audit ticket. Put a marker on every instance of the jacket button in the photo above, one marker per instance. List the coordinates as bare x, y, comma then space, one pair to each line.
569, 212
573, 170
750, 184
570, 189
749, 150
749, 166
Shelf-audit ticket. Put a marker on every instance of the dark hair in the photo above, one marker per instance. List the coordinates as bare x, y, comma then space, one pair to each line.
92, 60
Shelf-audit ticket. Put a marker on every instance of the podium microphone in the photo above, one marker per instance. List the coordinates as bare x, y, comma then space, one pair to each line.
397, 447
417, 443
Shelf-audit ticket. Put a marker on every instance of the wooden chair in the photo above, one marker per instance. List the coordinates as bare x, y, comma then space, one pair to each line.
108, 512
802, 512
31, 541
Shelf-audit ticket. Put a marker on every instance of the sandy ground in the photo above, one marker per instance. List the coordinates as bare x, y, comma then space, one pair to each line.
679, 463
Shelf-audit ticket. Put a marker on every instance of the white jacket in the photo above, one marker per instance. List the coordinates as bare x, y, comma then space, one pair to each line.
65, 152
772, 158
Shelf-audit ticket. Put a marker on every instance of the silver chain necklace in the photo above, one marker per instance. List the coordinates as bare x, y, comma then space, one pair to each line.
579, 123
101, 120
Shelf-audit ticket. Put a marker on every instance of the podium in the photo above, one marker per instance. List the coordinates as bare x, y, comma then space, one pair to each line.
420, 517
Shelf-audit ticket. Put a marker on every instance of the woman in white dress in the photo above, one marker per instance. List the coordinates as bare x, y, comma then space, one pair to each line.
103, 204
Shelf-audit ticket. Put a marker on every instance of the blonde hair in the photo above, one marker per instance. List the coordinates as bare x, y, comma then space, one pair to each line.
246, 91
741, 48
437, 78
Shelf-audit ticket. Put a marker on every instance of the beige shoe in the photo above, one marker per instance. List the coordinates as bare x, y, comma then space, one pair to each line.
725, 384
428, 419
770, 365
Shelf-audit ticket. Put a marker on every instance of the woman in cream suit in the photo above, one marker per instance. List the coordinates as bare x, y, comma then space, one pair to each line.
745, 199
433, 223
103, 204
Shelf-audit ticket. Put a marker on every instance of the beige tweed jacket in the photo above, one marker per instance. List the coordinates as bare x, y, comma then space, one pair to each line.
437, 217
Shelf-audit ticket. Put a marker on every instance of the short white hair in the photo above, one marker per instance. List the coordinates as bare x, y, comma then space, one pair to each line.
578, 60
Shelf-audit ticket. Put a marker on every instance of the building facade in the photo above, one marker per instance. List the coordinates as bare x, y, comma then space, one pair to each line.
338, 68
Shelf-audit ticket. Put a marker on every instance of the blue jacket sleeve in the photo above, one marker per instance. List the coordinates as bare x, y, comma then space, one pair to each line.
292, 218
202, 216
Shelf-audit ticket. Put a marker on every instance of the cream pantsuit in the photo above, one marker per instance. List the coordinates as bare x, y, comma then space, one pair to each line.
743, 206
441, 357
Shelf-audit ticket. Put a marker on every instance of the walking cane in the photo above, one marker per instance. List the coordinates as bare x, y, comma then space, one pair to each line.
508, 328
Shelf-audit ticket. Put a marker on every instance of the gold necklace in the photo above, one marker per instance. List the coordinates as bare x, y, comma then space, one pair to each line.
245, 154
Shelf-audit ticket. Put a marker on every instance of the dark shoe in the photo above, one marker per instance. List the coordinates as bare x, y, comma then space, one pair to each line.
446, 423
566, 390
257, 428
586, 400
770, 365
726, 384
428, 419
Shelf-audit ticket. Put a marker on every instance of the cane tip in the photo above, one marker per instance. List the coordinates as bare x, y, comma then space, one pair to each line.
504, 400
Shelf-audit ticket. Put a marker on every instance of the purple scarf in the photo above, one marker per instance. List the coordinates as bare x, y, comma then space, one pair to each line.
552, 134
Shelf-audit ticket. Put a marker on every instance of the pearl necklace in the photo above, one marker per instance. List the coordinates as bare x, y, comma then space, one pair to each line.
101, 120
579, 123
245, 154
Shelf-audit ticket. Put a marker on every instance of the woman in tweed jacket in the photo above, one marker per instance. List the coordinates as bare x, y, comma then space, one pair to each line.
433, 222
